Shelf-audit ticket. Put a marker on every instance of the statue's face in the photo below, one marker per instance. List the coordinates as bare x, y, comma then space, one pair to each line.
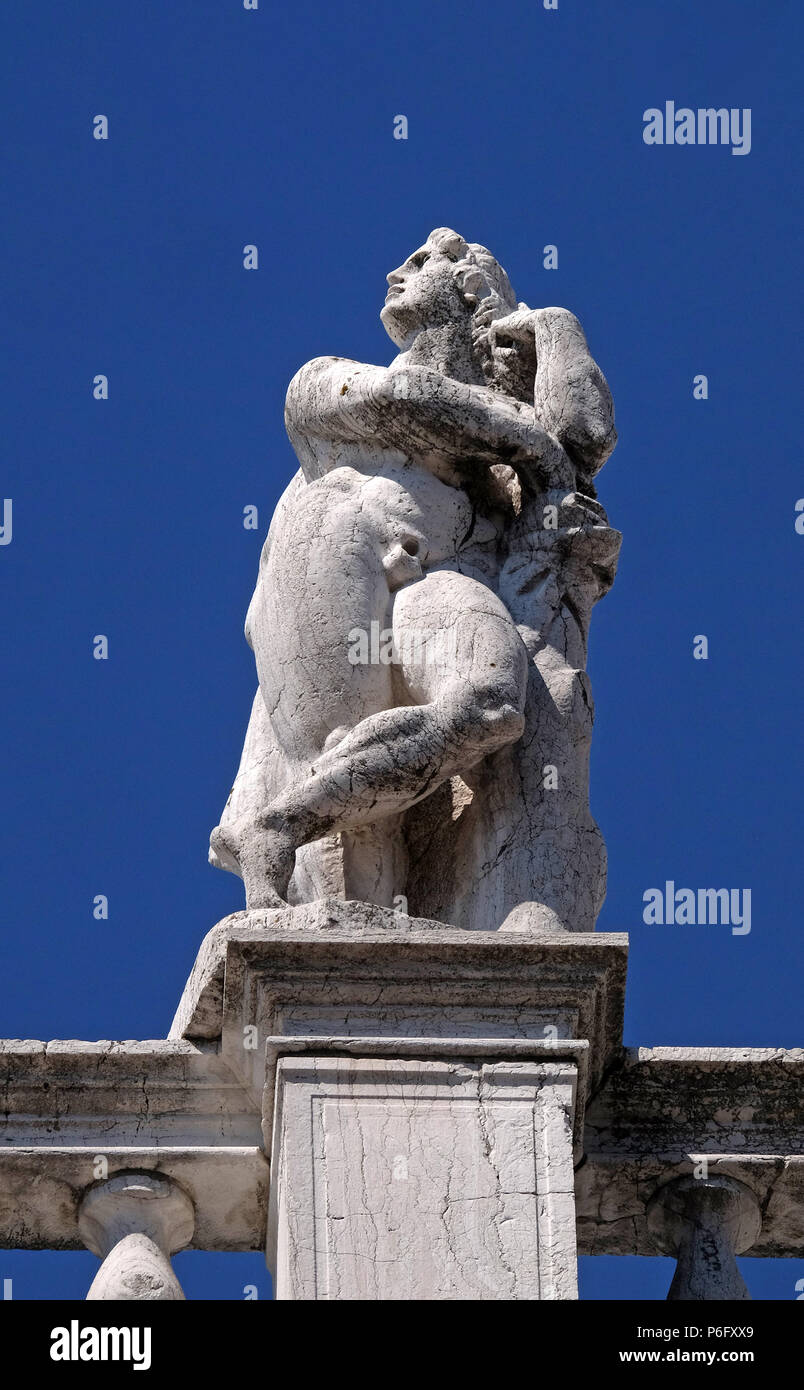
422, 293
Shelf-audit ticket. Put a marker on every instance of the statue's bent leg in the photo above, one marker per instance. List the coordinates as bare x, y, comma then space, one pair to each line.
463, 667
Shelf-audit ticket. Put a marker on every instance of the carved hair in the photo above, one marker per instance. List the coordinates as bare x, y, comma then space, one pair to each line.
486, 290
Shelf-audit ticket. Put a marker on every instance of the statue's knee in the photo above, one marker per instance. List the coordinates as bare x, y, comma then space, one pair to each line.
502, 724
490, 717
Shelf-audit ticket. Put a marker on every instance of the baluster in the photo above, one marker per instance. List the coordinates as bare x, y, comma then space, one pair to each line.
135, 1222
705, 1223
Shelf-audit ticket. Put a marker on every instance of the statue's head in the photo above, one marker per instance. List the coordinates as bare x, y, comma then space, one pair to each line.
446, 280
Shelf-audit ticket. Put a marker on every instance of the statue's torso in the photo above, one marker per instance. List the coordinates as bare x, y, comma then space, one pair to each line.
338, 549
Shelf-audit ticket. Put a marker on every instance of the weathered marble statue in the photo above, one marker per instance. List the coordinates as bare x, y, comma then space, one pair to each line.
420, 736
402, 1109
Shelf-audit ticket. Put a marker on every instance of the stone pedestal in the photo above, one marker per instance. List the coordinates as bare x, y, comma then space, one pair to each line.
422, 1092
398, 1178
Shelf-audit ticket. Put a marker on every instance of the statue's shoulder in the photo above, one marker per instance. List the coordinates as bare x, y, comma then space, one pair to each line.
313, 379
318, 367
318, 396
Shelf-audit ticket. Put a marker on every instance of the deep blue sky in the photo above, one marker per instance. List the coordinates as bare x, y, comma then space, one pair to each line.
124, 257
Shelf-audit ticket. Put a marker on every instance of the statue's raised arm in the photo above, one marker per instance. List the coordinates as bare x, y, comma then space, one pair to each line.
545, 351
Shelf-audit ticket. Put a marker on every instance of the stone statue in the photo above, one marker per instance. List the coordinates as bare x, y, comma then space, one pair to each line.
420, 736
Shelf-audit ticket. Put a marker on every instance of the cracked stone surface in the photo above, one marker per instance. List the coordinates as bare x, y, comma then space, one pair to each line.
424, 1180
447, 501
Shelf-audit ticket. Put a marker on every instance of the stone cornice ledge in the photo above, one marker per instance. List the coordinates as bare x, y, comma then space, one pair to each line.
668, 1111
166, 1106
344, 954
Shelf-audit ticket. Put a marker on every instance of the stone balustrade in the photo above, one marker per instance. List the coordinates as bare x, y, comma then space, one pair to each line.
137, 1149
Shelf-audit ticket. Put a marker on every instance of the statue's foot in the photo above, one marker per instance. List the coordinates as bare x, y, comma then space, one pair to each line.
263, 855
260, 894
267, 858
